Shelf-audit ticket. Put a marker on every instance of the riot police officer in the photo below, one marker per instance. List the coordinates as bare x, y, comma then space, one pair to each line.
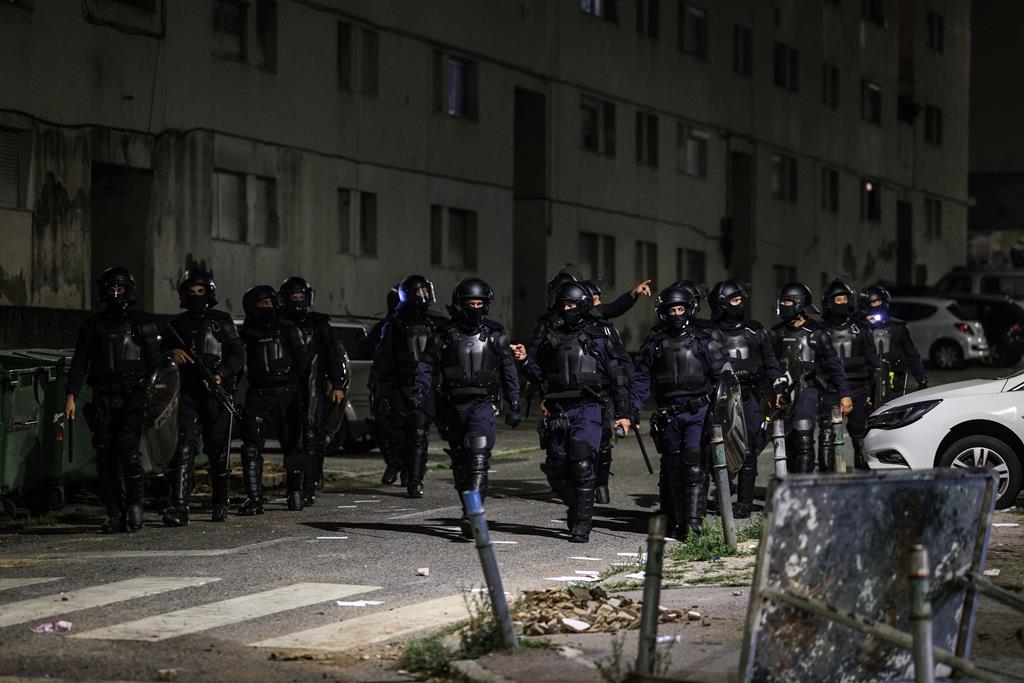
697, 291
277, 367
573, 364
116, 352
892, 341
677, 365
804, 349
383, 431
202, 334
855, 346
469, 363
328, 379
745, 345
403, 339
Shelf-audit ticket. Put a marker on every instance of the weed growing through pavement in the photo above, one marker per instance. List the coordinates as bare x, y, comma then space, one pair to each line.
613, 670
711, 545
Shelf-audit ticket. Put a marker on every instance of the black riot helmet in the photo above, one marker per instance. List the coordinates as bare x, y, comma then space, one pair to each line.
573, 291
392, 299
838, 288
555, 283
250, 304
669, 298
721, 296
116, 288
289, 291
875, 312
468, 289
799, 296
197, 303
417, 291
694, 288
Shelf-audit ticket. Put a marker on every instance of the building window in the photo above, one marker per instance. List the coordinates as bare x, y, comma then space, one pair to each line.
603, 9
742, 50
453, 238
597, 256
783, 275
932, 217
370, 61
645, 261
870, 200
693, 30
830, 190
229, 24
345, 56
932, 125
262, 209
873, 11
266, 33
145, 5
787, 67
870, 101
345, 245
229, 210
647, 18
691, 264
830, 85
646, 139
9, 168
367, 224
692, 150
455, 86
597, 125
784, 177
936, 32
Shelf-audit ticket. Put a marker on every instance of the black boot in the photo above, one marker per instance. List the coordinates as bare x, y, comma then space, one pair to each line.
477, 463
859, 461
665, 497
745, 480
220, 485
582, 515
252, 476
803, 453
675, 472
314, 471
294, 481
693, 503
417, 463
826, 450
135, 492
111, 496
603, 471
179, 478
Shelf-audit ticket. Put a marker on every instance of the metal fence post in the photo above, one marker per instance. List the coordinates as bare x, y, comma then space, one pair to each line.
779, 442
839, 439
499, 607
648, 640
722, 483
921, 616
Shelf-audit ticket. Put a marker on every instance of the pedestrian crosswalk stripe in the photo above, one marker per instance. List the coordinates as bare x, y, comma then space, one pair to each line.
94, 596
6, 584
217, 614
375, 628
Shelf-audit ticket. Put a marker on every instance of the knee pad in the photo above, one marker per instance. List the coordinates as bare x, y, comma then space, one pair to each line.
475, 442
804, 424
185, 456
692, 457
250, 453
827, 436
580, 451
804, 441
583, 473
477, 462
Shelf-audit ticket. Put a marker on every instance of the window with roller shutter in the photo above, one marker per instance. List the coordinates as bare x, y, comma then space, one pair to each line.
8, 168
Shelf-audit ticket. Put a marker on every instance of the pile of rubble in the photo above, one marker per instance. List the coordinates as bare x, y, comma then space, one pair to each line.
579, 610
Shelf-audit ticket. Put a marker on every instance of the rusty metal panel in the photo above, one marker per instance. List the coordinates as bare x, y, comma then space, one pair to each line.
846, 541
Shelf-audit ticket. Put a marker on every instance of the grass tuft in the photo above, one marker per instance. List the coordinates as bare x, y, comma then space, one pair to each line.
710, 545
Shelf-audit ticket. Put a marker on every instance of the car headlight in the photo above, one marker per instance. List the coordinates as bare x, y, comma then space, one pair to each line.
901, 416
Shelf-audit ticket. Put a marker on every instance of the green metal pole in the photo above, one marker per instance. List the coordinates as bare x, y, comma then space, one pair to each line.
499, 606
779, 442
652, 594
921, 616
839, 436
722, 483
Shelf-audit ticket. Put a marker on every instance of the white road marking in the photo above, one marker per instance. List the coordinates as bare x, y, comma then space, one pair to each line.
375, 628
585, 558
570, 578
347, 507
217, 614
6, 584
358, 603
426, 512
61, 604
505, 542
332, 538
116, 554
367, 501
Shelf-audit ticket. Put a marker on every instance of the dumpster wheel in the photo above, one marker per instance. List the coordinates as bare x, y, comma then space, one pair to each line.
8, 510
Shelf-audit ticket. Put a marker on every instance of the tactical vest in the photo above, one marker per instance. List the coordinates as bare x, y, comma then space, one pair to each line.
411, 335
204, 335
268, 361
116, 351
469, 364
741, 347
796, 350
678, 370
573, 369
886, 345
849, 345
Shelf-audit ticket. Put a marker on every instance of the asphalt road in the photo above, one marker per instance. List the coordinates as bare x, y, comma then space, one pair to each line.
233, 597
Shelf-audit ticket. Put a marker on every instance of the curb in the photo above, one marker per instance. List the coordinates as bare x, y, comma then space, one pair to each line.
472, 672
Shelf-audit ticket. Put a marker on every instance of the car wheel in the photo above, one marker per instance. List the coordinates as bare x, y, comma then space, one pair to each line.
987, 452
947, 356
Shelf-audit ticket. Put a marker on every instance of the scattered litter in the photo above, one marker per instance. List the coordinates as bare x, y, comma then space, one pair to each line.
358, 603
705, 621
423, 571
166, 674
693, 615
588, 572
347, 507
737, 592
579, 609
639, 576
332, 538
990, 572
571, 578
747, 545
584, 558
59, 626
450, 528
481, 590
505, 542
1005, 524
670, 639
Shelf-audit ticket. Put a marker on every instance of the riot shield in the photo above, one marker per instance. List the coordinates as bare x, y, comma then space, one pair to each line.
160, 413
792, 362
883, 384
728, 413
322, 414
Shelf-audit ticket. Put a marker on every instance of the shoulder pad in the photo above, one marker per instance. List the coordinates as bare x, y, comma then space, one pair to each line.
217, 314
318, 318
753, 325
493, 325
813, 324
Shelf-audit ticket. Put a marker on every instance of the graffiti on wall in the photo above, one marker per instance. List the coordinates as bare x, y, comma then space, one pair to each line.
997, 249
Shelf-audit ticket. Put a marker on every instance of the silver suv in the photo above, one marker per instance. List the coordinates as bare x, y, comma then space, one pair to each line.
941, 331
975, 281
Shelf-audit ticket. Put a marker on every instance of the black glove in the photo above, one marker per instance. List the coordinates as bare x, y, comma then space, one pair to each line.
922, 385
514, 415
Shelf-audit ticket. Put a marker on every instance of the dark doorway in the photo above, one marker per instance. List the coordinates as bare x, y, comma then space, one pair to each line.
904, 243
529, 252
120, 212
738, 250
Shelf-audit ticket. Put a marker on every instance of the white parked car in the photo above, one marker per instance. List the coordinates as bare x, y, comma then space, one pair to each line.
975, 423
940, 331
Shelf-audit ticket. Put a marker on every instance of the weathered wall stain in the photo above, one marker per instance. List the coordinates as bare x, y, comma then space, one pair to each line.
13, 287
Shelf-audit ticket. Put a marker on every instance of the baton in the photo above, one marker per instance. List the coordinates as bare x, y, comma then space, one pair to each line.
620, 433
